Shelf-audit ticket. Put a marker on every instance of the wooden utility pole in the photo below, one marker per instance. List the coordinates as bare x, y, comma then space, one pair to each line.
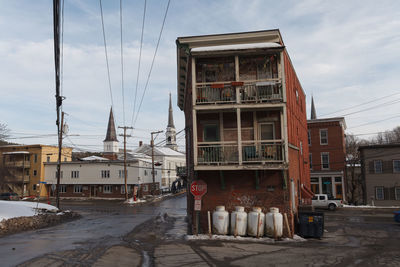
125, 172
152, 161
60, 137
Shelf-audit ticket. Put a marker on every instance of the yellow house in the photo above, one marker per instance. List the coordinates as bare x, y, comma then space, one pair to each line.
23, 167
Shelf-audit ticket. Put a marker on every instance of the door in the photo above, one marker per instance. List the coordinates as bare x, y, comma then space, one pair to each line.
93, 191
339, 191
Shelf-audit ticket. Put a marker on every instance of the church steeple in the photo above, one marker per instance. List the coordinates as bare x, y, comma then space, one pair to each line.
170, 115
170, 134
313, 112
111, 141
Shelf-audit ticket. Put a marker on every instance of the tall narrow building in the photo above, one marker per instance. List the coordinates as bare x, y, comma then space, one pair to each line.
313, 112
111, 142
170, 134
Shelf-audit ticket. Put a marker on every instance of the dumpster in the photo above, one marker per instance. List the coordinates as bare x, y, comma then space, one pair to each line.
311, 224
397, 216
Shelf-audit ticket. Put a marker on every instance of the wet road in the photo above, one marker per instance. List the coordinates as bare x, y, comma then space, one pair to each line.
101, 222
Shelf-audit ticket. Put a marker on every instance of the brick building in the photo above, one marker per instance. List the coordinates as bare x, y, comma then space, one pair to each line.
246, 126
380, 169
327, 157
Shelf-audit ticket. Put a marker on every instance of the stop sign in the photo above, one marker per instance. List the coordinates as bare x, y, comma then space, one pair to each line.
198, 189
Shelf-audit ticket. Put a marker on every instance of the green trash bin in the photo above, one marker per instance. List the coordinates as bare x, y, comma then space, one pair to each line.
311, 224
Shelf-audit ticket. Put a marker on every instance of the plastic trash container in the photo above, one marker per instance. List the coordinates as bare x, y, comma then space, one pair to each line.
311, 224
397, 216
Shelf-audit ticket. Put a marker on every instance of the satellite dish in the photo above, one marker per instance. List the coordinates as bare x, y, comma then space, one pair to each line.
65, 128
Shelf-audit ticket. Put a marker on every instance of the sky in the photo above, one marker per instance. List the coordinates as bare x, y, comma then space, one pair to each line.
346, 55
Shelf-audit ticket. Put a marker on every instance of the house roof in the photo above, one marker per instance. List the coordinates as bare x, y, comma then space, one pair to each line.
338, 119
94, 158
394, 145
159, 151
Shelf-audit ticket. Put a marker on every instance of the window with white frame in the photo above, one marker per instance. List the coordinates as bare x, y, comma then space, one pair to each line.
121, 173
107, 189
323, 136
310, 160
397, 192
105, 174
379, 194
324, 160
63, 188
396, 166
145, 188
61, 174
77, 188
145, 172
378, 166
74, 174
309, 137
301, 148
123, 189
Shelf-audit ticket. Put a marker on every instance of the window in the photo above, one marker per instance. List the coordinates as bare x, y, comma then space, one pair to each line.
397, 193
309, 137
35, 158
107, 189
105, 174
325, 160
323, 135
145, 188
34, 187
258, 67
338, 179
378, 166
220, 69
145, 172
61, 174
77, 188
34, 172
63, 188
74, 174
267, 131
321, 197
123, 189
121, 173
396, 166
379, 195
48, 158
310, 160
210, 133
314, 180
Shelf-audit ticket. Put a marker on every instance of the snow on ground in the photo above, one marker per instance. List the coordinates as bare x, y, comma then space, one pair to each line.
131, 201
296, 238
12, 209
371, 207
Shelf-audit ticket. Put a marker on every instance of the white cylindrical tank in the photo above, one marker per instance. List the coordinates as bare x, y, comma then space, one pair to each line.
255, 222
273, 223
220, 221
239, 216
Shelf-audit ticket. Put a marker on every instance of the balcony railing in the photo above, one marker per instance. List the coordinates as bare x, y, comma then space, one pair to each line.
17, 164
219, 153
262, 151
222, 93
227, 153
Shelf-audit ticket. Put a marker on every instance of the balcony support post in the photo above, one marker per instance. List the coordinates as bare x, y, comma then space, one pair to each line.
237, 79
239, 135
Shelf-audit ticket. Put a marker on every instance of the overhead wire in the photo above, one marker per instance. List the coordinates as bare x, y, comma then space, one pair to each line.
140, 57
122, 62
106, 54
152, 64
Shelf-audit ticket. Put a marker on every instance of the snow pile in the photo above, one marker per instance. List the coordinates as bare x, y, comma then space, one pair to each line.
371, 207
236, 47
131, 201
296, 238
12, 209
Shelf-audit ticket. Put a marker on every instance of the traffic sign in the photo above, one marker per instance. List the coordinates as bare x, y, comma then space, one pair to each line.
198, 189
197, 204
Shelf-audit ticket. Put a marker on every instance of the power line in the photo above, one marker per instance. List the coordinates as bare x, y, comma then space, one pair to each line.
140, 57
391, 102
365, 103
373, 122
122, 62
152, 63
106, 54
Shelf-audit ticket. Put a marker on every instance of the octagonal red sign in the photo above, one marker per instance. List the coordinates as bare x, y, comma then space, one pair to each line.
198, 188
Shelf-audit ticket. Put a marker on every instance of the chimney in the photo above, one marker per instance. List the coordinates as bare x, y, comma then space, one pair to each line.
140, 143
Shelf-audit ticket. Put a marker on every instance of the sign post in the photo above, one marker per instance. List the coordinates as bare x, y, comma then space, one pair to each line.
198, 189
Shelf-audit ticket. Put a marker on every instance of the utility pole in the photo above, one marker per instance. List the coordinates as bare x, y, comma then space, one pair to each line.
152, 161
125, 172
60, 137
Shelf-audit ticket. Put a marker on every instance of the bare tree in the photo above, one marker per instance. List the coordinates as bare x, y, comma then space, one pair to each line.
3, 133
355, 188
388, 137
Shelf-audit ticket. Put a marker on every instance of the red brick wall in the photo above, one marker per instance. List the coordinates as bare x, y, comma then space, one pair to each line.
240, 190
297, 126
335, 147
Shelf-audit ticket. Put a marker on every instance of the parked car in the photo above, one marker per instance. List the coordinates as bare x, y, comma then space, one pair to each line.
325, 202
9, 196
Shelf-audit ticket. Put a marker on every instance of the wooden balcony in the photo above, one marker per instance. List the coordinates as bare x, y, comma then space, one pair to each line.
268, 91
18, 164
